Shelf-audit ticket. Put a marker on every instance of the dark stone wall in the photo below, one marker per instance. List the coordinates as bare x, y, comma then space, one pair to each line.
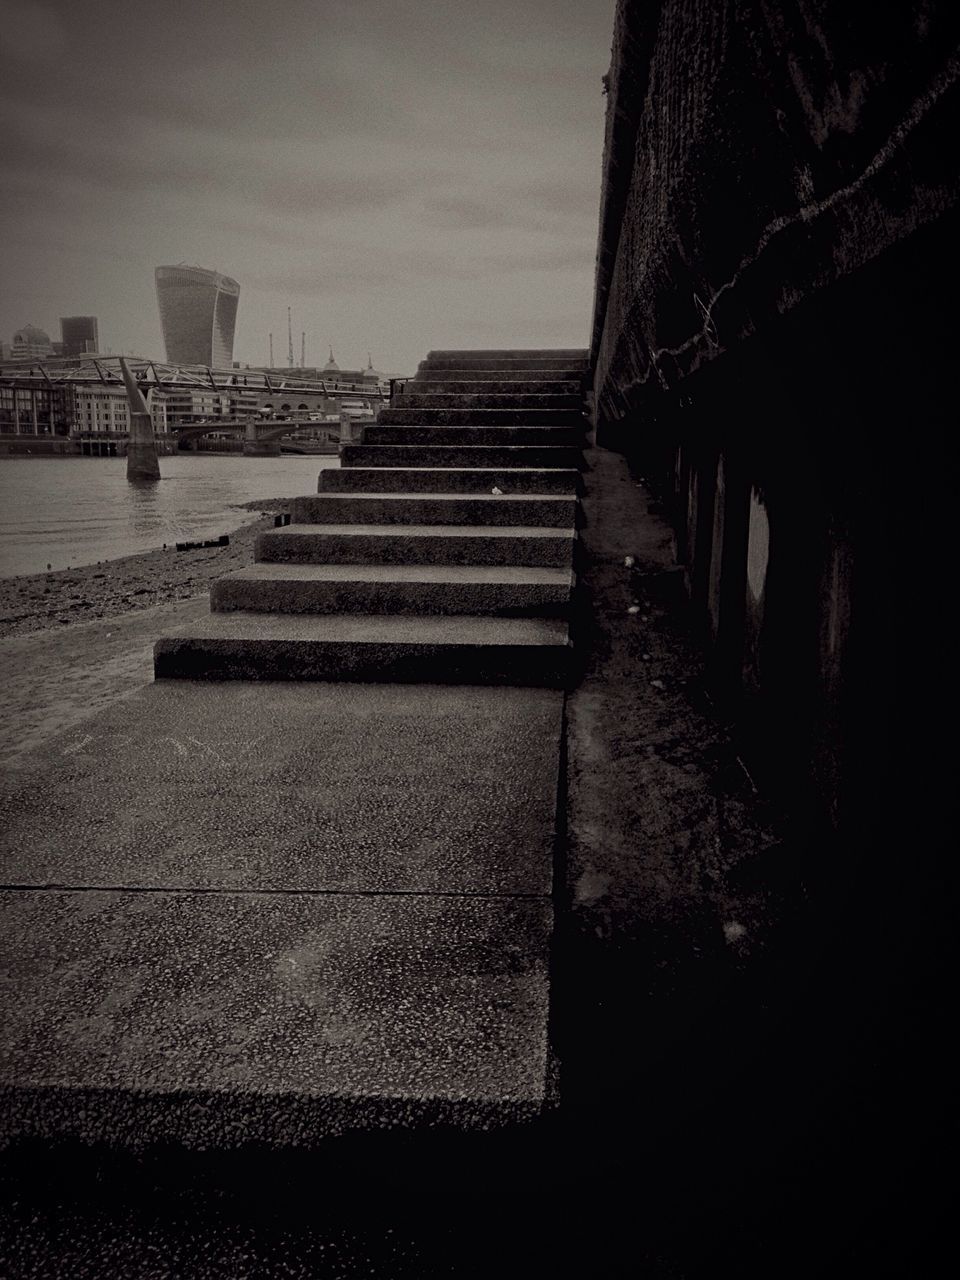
774, 339
775, 349
756, 153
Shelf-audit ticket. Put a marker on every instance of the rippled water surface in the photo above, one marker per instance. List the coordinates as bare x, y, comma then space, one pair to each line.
74, 511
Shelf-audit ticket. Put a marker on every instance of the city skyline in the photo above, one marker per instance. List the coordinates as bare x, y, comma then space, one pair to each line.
400, 175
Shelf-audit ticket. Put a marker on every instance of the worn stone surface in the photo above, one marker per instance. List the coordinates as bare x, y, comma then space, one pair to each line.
224, 1019
423, 589
754, 156
418, 545
558, 367
555, 510
480, 479
370, 647
517, 387
325, 788
417, 428
478, 372
464, 456
522, 419
501, 355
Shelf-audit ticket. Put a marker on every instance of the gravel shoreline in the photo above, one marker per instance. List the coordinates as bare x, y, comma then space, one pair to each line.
43, 601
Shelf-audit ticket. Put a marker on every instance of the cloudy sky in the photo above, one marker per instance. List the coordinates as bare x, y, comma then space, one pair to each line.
404, 174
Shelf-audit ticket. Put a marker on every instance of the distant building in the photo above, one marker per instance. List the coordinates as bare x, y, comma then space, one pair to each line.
75, 409
79, 334
95, 409
198, 315
30, 343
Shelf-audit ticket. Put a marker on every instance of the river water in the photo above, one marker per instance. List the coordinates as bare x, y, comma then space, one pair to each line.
66, 512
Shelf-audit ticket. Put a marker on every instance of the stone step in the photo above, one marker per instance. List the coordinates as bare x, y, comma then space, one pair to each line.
416, 544
483, 417
562, 367
446, 399
471, 457
418, 433
393, 647
478, 373
553, 510
512, 353
528, 387
449, 479
501, 590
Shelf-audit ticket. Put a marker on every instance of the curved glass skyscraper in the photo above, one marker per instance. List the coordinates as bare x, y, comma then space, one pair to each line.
198, 315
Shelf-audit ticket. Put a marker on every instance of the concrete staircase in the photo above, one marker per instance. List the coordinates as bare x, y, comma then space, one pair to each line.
306, 931
440, 551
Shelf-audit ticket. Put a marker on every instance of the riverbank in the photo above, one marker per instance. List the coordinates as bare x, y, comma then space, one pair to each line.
42, 601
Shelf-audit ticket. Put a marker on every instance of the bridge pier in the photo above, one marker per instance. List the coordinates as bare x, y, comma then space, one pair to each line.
143, 462
254, 447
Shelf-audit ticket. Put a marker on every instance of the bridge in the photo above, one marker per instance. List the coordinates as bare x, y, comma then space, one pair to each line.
153, 375
261, 436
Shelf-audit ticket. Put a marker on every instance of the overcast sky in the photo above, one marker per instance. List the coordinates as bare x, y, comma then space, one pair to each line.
404, 174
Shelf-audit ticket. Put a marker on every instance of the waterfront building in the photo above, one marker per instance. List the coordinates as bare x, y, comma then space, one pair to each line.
38, 410
74, 409
191, 404
95, 409
79, 334
198, 315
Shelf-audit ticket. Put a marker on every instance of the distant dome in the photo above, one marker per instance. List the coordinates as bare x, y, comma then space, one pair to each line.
331, 366
370, 372
30, 335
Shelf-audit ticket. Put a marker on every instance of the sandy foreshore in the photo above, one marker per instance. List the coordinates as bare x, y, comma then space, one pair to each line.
41, 601
74, 641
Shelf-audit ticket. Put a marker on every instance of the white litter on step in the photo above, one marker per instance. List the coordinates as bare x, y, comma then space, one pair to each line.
498, 492
628, 561
634, 608
658, 684
733, 931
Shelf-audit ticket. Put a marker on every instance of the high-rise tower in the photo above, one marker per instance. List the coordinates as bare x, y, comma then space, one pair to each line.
79, 334
198, 315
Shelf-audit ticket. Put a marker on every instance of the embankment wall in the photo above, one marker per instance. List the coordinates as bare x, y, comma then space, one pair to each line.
774, 345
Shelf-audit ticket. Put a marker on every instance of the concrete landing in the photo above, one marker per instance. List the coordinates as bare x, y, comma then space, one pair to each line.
267, 913
231, 1019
